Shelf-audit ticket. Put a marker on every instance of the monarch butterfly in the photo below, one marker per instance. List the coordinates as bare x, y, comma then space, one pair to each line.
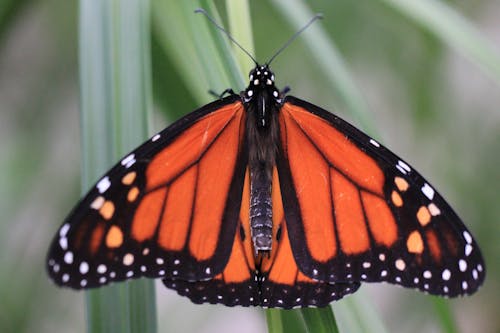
264, 199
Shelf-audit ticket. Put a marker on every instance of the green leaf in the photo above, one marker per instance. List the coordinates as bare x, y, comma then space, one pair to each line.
240, 25
115, 82
320, 320
199, 52
284, 321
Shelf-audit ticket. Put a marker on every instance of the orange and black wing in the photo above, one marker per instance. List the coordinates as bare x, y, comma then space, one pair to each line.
168, 210
283, 282
355, 212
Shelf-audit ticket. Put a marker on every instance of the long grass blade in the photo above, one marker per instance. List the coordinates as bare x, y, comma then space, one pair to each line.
115, 107
320, 320
240, 25
195, 47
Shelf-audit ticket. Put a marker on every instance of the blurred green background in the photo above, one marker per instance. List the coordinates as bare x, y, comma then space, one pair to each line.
435, 104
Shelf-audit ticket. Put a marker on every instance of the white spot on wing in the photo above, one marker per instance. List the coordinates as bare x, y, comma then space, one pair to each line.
468, 237
128, 259
404, 166
64, 230
84, 267
156, 137
375, 143
97, 203
63, 242
433, 209
446, 274
468, 249
103, 185
428, 191
462, 265
128, 161
68, 257
400, 264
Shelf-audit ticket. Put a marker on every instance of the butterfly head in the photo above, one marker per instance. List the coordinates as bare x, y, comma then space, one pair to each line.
261, 80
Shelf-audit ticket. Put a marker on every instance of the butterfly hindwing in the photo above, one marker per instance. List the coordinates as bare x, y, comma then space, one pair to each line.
168, 209
283, 284
357, 212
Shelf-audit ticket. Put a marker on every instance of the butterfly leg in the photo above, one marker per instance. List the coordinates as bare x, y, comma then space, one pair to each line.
228, 91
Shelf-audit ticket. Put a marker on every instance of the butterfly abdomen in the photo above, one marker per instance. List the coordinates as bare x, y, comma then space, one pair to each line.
261, 209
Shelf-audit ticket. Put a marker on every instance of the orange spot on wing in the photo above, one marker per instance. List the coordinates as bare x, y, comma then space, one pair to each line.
349, 217
380, 219
414, 243
147, 215
179, 208
434, 246
401, 184
338, 149
215, 174
132, 194
311, 179
107, 210
190, 145
129, 178
423, 216
396, 199
114, 237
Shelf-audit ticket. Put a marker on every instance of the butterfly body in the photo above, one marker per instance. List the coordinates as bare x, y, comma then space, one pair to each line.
262, 102
265, 199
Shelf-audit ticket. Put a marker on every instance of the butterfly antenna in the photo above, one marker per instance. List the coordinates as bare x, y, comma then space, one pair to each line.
295, 35
204, 12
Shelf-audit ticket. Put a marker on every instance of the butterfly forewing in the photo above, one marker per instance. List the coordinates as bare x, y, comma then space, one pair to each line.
380, 220
165, 210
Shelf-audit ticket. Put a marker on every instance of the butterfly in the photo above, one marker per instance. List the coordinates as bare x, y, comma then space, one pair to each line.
263, 199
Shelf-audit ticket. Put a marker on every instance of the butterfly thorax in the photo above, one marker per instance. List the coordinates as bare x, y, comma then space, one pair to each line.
262, 101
